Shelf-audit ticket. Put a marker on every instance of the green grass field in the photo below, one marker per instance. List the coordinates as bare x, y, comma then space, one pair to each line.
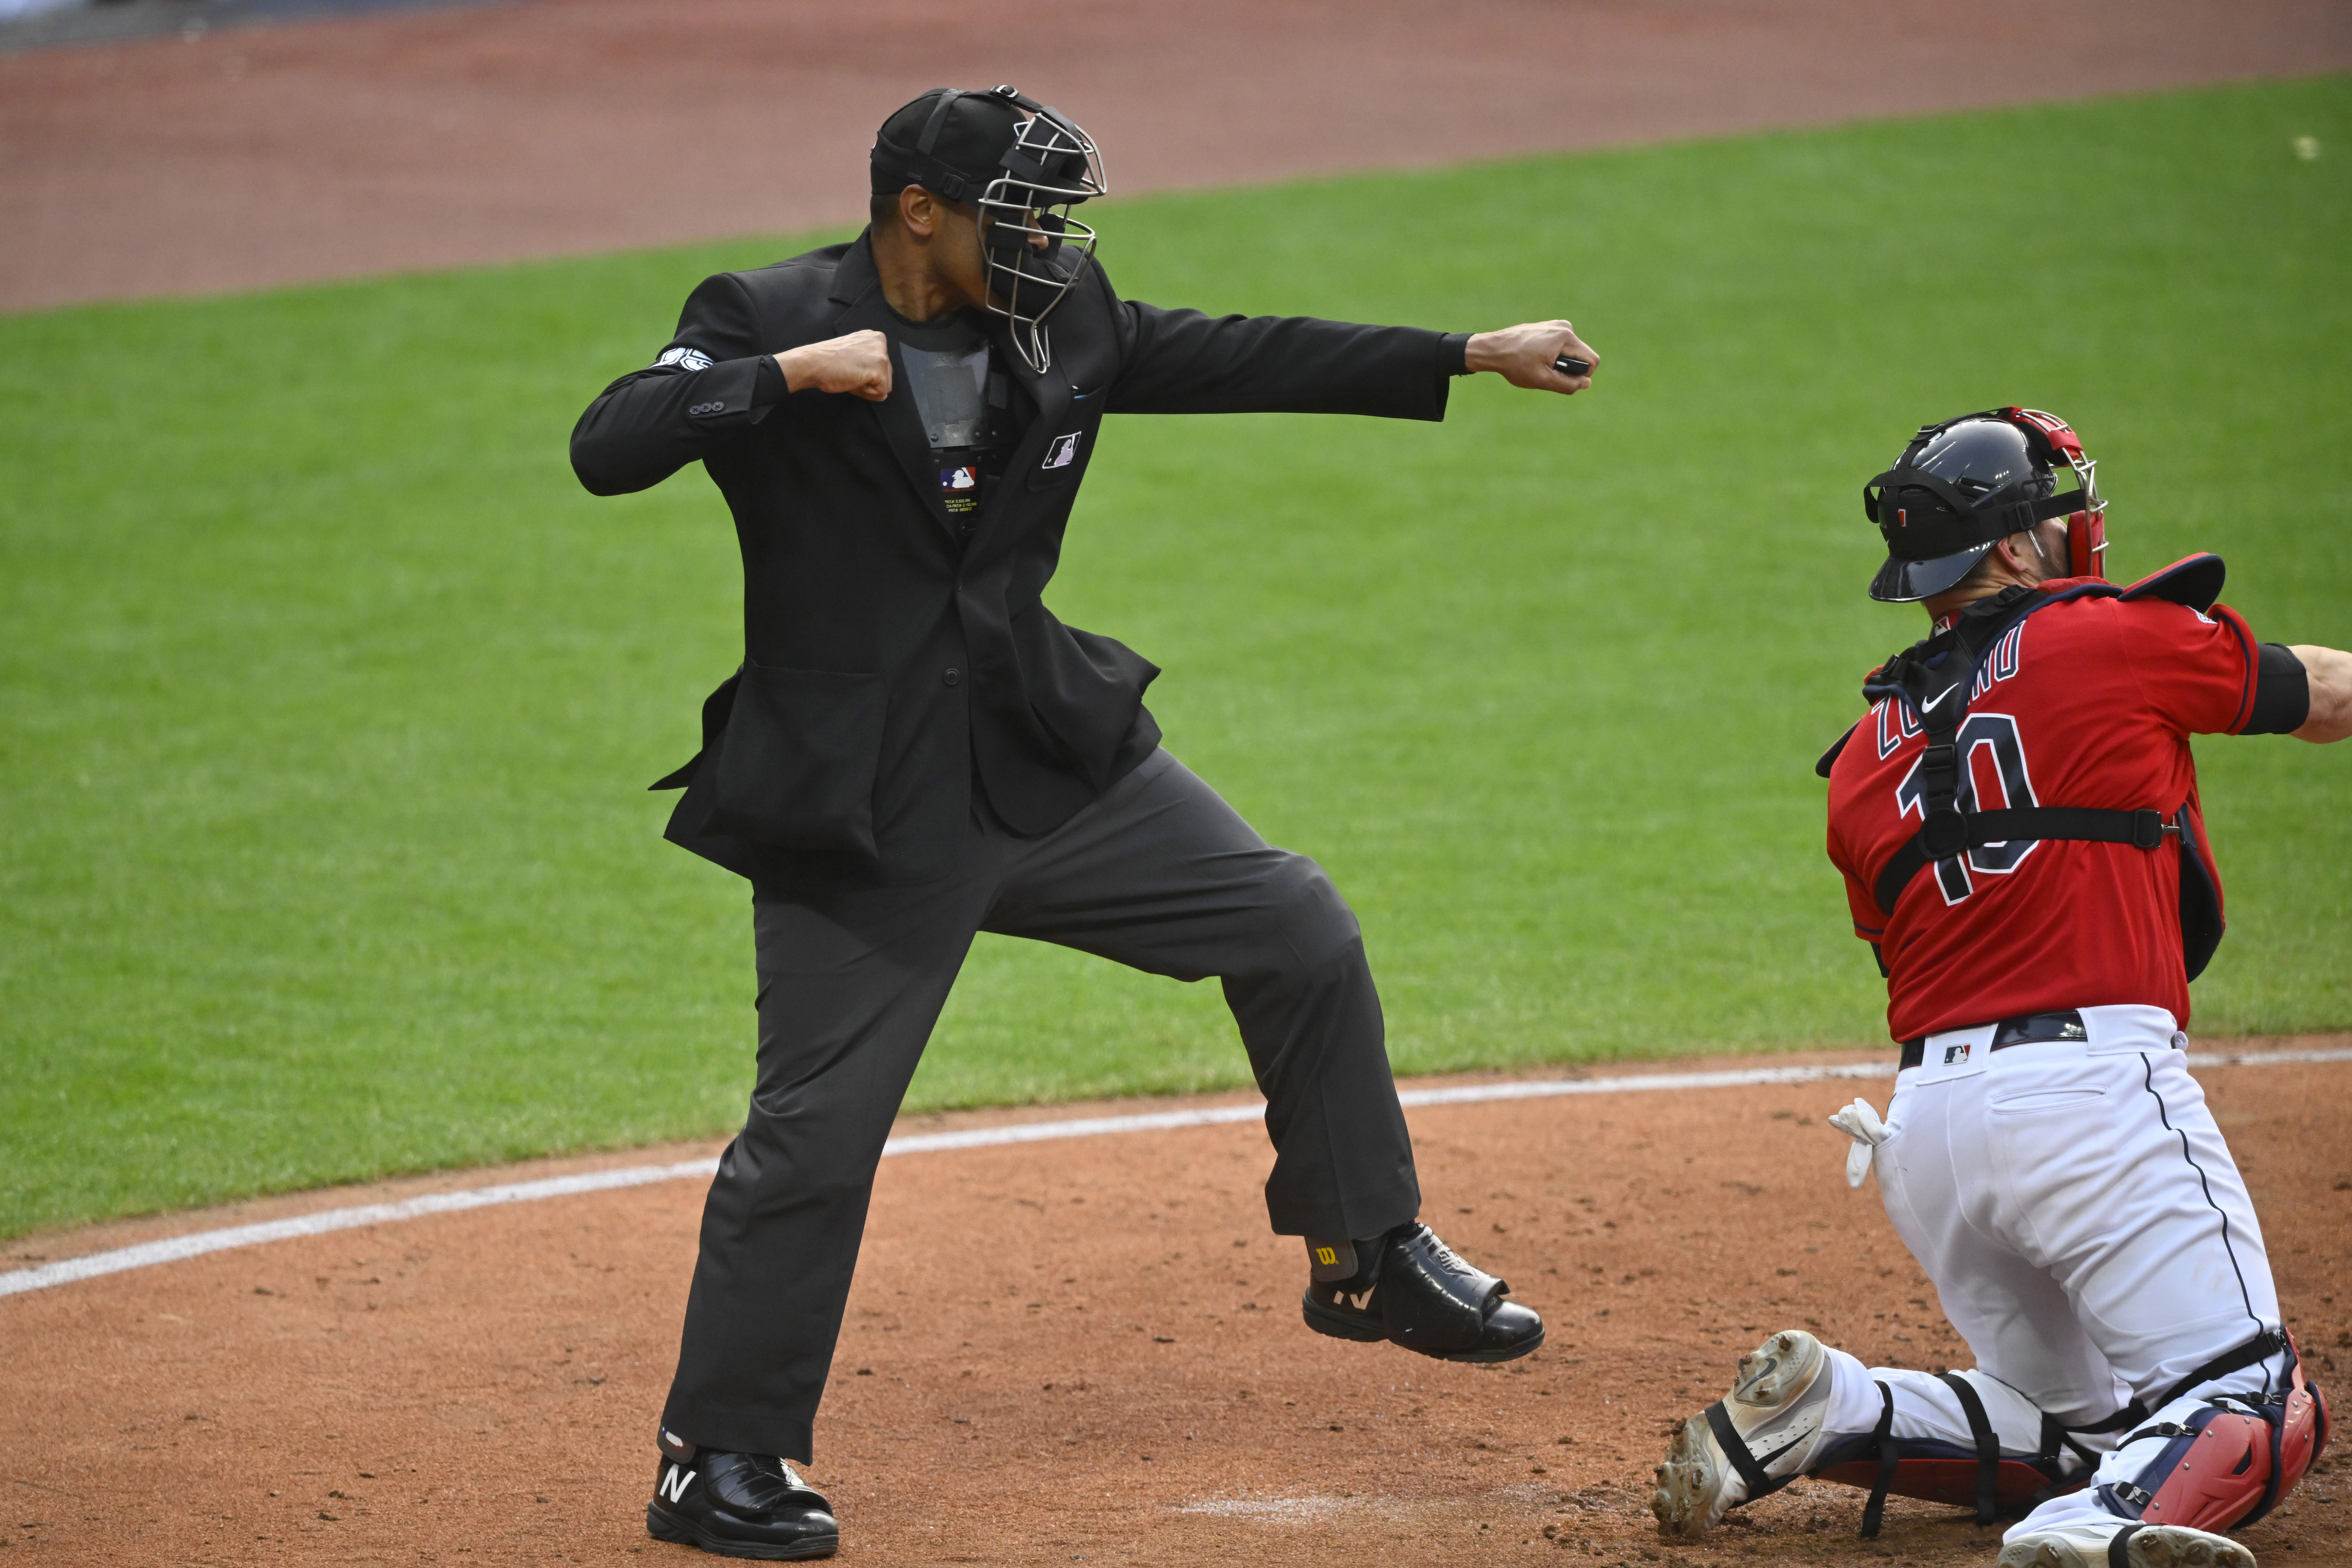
328, 699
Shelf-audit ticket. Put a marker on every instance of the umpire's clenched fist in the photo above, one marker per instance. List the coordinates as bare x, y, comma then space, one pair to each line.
858, 364
1528, 356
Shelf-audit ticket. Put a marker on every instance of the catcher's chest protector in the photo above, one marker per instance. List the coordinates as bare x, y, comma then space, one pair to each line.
1935, 680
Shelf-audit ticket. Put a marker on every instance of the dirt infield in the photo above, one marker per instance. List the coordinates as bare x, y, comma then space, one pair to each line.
1086, 1351
429, 139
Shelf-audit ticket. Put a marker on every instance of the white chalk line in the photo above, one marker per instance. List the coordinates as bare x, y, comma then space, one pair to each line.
148, 1254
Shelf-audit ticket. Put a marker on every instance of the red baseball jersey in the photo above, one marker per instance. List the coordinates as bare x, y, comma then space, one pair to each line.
2086, 702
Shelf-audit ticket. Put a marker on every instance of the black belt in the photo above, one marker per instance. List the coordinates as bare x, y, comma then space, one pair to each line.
2028, 1029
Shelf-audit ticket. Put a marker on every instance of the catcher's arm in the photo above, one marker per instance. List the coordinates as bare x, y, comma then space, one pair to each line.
2329, 671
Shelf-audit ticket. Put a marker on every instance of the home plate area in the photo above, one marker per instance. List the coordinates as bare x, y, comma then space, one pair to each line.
1081, 1350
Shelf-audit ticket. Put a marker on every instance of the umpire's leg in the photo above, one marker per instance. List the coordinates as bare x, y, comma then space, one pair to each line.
1163, 876
850, 985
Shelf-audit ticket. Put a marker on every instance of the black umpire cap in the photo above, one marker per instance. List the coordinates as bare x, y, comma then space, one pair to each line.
951, 142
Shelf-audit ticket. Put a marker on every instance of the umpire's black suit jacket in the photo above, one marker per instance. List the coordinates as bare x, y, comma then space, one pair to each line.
886, 661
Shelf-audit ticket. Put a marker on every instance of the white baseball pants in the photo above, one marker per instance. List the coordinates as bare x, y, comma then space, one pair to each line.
2087, 1234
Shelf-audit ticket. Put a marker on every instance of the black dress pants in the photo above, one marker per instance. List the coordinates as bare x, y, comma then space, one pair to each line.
1159, 875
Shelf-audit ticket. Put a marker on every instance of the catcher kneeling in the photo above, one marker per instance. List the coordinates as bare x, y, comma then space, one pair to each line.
2018, 822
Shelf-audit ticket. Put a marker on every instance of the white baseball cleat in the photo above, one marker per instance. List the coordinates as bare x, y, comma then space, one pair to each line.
1749, 1441
2122, 1545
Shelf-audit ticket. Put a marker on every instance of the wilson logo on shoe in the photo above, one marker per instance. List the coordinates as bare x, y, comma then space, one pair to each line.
673, 1485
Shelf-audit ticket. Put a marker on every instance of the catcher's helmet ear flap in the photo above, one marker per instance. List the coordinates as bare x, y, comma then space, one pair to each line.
2086, 528
1960, 487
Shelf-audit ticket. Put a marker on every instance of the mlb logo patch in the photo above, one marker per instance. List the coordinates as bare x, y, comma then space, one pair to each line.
1956, 1054
1063, 452
959, 488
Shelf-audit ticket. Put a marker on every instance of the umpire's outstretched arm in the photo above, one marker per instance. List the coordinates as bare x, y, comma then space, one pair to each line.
716, 379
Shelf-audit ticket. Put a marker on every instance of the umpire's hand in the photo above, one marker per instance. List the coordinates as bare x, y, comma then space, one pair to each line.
858, 364
1527, 355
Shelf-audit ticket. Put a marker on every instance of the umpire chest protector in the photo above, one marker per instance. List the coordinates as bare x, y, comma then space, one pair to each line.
1934, 681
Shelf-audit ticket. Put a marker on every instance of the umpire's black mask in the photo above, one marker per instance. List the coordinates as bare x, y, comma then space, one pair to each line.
1024, 165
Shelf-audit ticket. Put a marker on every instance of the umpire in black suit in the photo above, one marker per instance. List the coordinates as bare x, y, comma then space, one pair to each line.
916, 749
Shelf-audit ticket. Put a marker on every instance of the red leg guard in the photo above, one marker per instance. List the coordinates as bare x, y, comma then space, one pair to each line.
2215, 1474
2303, 1430
2227, 1467
2018, 1484
1936, 1471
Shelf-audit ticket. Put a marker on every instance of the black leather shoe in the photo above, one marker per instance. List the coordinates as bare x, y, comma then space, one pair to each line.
738, 1505
1412, 1290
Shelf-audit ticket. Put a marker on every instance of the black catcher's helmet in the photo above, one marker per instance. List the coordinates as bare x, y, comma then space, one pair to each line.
1969, 482
1024, 165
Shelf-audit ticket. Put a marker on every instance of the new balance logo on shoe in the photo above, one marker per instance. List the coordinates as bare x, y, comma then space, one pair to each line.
673, 1485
